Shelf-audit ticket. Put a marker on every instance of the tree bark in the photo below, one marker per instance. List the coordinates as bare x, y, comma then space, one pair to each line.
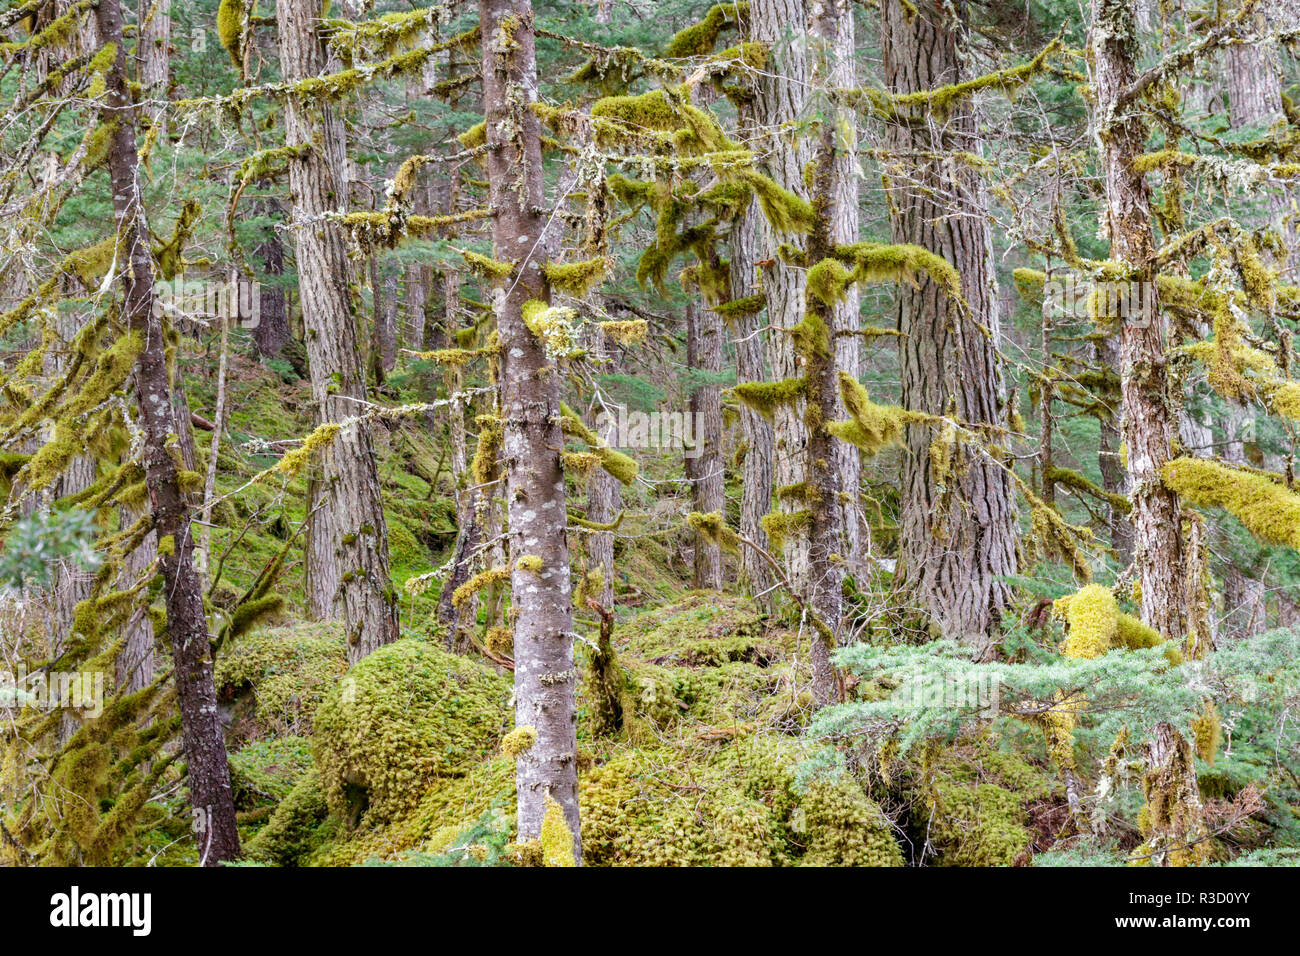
207, 768
1148, 424
704, 461
348, 547
958, 531
755, 430
530, 407
781, 100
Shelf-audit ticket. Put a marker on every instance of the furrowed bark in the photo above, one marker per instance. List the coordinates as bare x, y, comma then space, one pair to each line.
348, 551
704, 460
958, 531
1148, 424
187, 628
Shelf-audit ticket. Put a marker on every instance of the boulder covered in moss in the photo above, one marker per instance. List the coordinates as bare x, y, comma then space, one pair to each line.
402, 717
270, 681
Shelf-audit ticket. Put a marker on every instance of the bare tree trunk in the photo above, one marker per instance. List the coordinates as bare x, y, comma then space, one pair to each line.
755, 430
704, 460
958, 530
383, 293
155, 37
530, 409
1114, 479
833, 23
604, 499
348, 549
214, 450
272, 335
207, 768
1148, 422
781, 99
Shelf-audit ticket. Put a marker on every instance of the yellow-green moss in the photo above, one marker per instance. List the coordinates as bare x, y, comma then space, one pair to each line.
518, 740
556, 837
1268, 509
402, 716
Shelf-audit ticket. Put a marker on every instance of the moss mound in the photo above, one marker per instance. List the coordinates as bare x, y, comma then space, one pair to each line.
403, 716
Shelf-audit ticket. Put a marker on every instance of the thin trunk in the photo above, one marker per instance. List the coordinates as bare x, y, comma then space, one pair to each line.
207, 768
833, 24
958, 530
780, 101
1114, 479
214, 450
1148, 423
704, 458
755, 430
348, 549
604, 496
154, 56
530, 410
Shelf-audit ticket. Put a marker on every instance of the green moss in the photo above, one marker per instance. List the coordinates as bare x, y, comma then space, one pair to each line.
297, 827
828, 281
404, 715
556, 837
766, 397
870, 427
700, 38
518, 741
278, 676
782, 525
1268, 509
713, 528
231, 20
576, 278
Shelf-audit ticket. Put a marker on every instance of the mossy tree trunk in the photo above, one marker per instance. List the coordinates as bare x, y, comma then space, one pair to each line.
545, 678
208, 771
781, 100
704, 460
349, 547
1148, 423
958, 530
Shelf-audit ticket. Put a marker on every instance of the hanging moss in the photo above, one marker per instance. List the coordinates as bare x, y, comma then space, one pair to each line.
1268, 509
766, 397
1077, 482
576, 278
784, 211
713, 528
626, 332
870, 427
490, 441
484, 579
487, 266
232, 18
879, 262
739, 308
782, 525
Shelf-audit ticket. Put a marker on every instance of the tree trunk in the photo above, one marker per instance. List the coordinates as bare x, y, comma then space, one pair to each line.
187, 629
958, 531
755, 430
530, 409
154, 56
833, 24
1148, 423
1114, 479
348, 546
704, 459
780, 101
604, 496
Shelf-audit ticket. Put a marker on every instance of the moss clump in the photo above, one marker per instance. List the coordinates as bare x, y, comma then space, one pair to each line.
460, 597
844, 828
553, 325
1268, 509
766, 397
1207, 731
782, 525
556, 837
231, 19
828, 281
276, 677
297, 827
576, 278
700, 38
870, 427
713, 528
518, 741
626, 332
403, 716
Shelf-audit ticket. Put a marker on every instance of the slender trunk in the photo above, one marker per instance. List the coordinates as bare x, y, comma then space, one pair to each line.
271, 335
154, 57
1148, 423
349, 538
780, 101
530, 410
604, 497
704, 457
755, 430
187, 628
833, 24
958, 531
214, 450
1114, 479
